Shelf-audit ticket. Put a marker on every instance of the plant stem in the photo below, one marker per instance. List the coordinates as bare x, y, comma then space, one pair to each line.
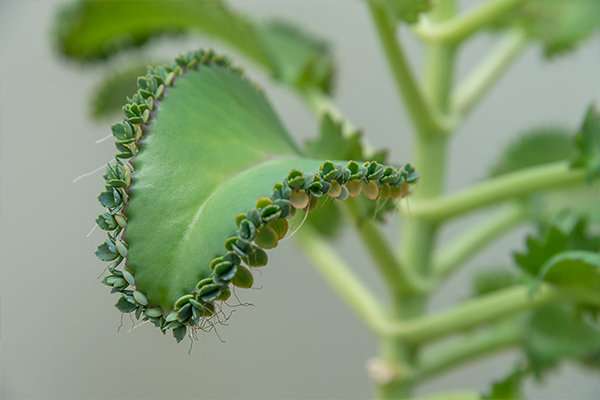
424, 118
344, 283
487, 73
485, 309
457, 29
468, 348
510, 186
447, 260
400, 282
430, 160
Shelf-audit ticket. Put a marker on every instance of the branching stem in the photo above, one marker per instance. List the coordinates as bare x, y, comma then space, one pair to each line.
454, 254
462, 26
484, 309
510, 186
423, 116
340, 278
488, 72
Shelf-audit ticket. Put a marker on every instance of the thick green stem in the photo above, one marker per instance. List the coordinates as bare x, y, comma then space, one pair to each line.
344, 283
430, 159
487, 73
423, 116
484, 309
399, 281
468, 348
451, 257
510, 186
456, 29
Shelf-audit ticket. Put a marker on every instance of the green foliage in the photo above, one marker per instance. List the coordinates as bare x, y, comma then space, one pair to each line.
554, 241
573, 268
212, 148
111, 92
588, 143
557, 24
94, 29
534, 148
407, 10
508, 388
558, 332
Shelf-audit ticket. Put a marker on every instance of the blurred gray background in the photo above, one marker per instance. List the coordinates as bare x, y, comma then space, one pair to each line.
59, 334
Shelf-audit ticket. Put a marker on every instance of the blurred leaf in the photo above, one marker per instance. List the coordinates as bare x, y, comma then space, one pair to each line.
573, 268
588, 143
332, 143
297, 58
508, 388
94, 29
110, 93
559, 25
326, 218
407, 10
554, 241
557, 332
490, 280
538, 147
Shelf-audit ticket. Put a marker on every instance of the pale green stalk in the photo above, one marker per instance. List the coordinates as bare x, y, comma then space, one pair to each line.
423, 116
468, 348
341, 279
459, 250
510, 186
488, 72
456, 29
482, 310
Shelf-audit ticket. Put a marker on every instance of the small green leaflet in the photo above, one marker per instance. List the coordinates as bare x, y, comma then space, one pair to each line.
408, 10
588, 143
573, 268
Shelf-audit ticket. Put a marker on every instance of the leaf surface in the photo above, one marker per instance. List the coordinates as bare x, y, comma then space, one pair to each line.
211, 178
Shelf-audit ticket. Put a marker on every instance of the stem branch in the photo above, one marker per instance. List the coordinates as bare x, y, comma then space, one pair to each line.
447, 260
344, 283
484, 309
510, 186
457, 29
488, 72
425, 119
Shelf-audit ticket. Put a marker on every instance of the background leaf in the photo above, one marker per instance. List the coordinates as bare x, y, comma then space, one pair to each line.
408, 10
588, 143
95, 29
557, 24
111, 92
534, 148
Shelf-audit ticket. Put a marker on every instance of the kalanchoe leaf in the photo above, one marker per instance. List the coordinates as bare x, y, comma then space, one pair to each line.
573, 268
588, 143
290, 55
125, 306
206, 223
508, 388
407, 10
179, 333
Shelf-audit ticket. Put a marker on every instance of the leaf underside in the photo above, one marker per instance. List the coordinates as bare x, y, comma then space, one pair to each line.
207, 146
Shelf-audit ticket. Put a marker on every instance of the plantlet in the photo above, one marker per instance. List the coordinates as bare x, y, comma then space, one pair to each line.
206, 180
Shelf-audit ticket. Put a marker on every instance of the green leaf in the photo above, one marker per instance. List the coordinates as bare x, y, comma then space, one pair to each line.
588, 143
508, 388
558, 25
408, 10
209, 184
557, 332
573, 268
535, 148
554, 241
332, 144
111, 92
94, 29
